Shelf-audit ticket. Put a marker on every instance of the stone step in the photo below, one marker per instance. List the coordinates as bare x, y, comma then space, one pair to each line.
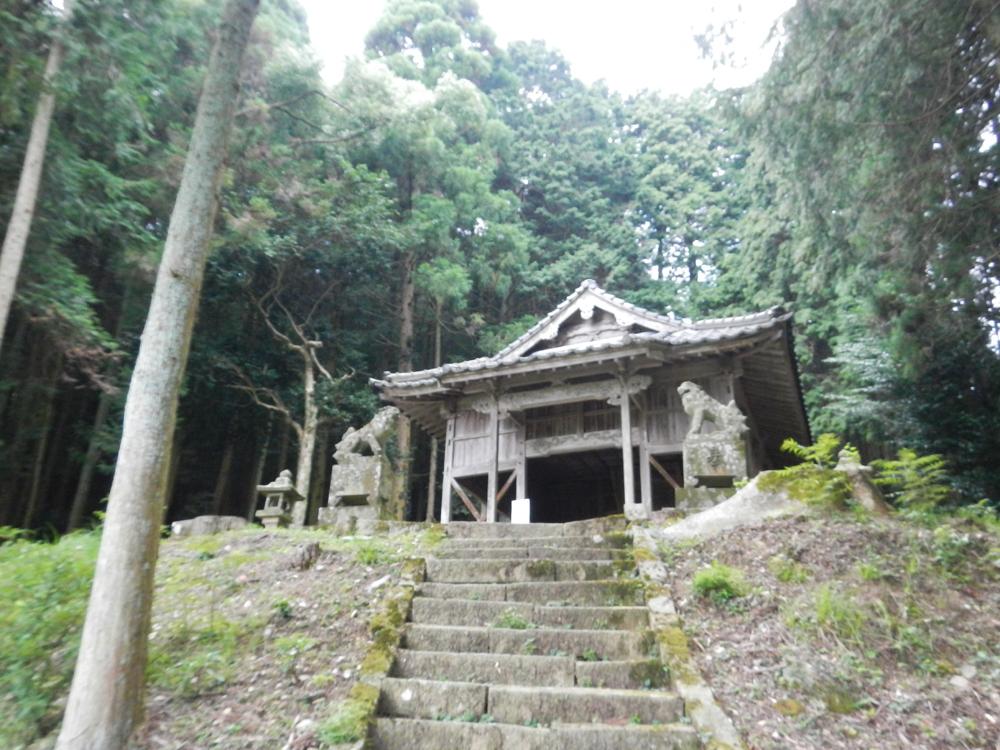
510, 571
583, 644
513, 704
541, 671
396, 734
530, 552
606, 593
500, 669
616, 540
471, 612
474, 530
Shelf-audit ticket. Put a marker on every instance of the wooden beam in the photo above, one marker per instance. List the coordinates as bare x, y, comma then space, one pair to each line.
465, 499
626, 424
506, 486
645, 480
494, 437
663, 472
449, 460
521, 462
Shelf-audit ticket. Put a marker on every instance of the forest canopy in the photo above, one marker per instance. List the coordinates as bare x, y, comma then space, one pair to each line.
452, 188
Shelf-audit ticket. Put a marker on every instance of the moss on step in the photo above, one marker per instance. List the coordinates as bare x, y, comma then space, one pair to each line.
352, 718
650, 674
386, 625
624, 592
541, 569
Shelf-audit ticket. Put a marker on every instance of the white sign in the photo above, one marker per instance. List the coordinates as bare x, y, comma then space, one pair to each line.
520, 511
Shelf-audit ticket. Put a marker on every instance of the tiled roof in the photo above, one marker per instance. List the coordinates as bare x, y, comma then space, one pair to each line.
679, 333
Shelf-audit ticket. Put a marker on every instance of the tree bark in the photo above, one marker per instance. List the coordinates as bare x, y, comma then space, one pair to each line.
222, 480
105, 700
41, 447
82, 494
258, 471
319, 472
16, 238
307, 439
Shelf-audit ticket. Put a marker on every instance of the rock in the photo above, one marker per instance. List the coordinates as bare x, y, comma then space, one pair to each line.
376, 585
960, 683
749, 505
305, 725
204, 525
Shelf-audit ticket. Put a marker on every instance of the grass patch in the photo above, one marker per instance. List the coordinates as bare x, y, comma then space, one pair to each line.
513, 621
720, 583
192, 659
350, 721
44, 589
787, 570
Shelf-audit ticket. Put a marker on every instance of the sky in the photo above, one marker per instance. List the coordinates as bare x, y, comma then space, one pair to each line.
631, 44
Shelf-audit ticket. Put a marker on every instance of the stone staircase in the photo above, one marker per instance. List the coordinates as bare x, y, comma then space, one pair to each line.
530, 637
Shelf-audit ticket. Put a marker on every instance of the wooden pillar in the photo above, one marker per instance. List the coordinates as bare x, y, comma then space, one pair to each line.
521, 466
627, 473
645, 478
449, 454
491, 482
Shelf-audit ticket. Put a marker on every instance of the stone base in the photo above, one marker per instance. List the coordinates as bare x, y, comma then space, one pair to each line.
346, 519
272, 518
636, 512
698, 498
202, 525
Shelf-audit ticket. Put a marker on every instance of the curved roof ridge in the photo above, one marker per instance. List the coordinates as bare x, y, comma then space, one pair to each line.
576, 294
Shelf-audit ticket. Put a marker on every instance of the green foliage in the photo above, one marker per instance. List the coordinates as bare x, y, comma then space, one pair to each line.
512, 620
720, 583
814, 480
372, 553
350, 721
912, 481
787, 570
44, 589
197, 657
833, 612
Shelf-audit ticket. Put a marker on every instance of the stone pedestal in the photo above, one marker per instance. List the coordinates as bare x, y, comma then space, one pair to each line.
699, 498
713, 460
362, 482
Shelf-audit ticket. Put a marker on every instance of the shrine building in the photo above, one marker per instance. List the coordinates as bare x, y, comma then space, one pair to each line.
582, 413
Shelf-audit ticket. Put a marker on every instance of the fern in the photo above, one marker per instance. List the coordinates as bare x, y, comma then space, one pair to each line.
814, 480
912, 481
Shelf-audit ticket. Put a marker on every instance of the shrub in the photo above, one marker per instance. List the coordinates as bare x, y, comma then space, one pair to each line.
720, 583
912, 481
44, 589
814, 480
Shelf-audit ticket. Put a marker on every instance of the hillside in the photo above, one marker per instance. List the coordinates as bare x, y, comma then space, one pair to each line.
835, 631
250, 637
817, 630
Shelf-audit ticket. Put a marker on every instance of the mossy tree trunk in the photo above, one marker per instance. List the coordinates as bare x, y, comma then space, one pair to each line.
105, 700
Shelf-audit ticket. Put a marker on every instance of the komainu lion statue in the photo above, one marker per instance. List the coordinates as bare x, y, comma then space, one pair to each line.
701, 407
373, 434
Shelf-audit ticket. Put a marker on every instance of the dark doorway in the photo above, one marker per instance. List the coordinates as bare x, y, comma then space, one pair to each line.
575, 486
662, 489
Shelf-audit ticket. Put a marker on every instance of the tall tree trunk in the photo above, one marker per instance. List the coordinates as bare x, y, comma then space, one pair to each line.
307, 438
82, 494
258, 470
41, 447
105, 700
286, 429
222, 480
319, 472
432, 474
175, 463
16, 237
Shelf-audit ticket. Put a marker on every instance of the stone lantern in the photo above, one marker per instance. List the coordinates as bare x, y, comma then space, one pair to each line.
279, 499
